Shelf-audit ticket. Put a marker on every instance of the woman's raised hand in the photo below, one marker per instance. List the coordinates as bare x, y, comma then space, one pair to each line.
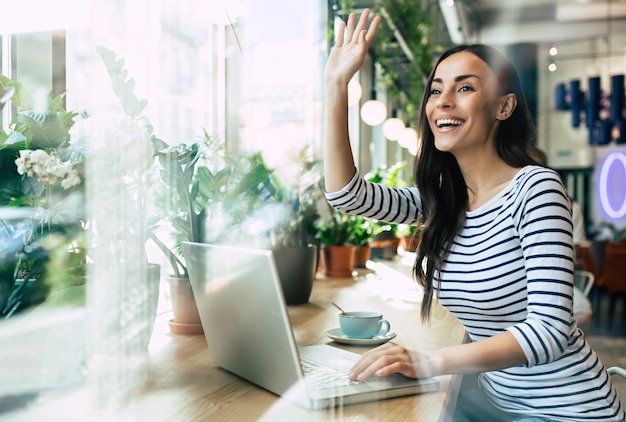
351, 45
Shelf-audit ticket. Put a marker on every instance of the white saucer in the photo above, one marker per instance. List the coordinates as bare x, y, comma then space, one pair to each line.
338, 335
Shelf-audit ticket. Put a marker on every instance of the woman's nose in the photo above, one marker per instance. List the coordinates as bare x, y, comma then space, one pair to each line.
444, 99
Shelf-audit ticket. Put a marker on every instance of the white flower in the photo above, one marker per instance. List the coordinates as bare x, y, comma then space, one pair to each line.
71, 180
23, 163
47, 167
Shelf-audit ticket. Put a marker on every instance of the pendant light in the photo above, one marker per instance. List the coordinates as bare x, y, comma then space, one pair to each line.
373, 112
355, 92
408, 138
392, 127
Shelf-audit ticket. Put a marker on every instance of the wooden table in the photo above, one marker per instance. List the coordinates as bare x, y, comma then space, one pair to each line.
184, 385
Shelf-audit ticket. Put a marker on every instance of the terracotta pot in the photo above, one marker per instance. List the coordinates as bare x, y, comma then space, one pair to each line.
410, 243
186, 318
362, 255
296, 269
338, 260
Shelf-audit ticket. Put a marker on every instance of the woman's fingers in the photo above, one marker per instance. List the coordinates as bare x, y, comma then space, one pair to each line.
350, 28
359, 34
352, 39
339, 37
371, 31
383, 360
360, 26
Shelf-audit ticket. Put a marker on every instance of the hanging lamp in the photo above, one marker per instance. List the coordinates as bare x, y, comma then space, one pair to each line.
355, 92
373, 112
393, 127
408, 138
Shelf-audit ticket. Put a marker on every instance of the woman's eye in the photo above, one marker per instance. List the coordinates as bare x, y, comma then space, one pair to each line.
435, 91
466, 88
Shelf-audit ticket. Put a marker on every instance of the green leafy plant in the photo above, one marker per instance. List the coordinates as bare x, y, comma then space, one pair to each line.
202, 193
338, 230
391, 177
364, 230
416, 28
42, 231
208, 194
296, 225
411, 230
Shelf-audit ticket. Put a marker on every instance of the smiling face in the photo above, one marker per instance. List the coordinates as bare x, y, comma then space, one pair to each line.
465, 105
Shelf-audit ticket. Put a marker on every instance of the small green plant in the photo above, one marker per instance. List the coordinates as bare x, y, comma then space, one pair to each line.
364, 230
338, 230
208, 194
391, 177
300, 201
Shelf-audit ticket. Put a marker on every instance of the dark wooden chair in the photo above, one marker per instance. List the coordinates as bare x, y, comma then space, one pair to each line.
613, 278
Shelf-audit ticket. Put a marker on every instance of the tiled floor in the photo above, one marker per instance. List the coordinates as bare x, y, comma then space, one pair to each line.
607, 336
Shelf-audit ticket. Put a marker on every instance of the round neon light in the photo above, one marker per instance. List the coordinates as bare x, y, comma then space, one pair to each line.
604, 185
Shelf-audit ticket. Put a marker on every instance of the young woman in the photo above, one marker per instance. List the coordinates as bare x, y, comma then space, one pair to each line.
497, 247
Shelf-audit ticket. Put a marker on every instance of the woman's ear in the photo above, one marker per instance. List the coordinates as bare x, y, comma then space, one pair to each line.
508, 103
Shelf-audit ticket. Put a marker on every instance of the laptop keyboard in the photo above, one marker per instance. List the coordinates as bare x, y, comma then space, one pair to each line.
320, 377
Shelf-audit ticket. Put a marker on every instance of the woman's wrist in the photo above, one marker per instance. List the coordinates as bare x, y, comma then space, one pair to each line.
336, 94
437, 364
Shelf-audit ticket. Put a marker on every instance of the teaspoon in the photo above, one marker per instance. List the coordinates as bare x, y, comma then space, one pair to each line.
338, 307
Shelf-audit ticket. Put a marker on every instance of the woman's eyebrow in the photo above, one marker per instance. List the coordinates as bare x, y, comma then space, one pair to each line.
458, 78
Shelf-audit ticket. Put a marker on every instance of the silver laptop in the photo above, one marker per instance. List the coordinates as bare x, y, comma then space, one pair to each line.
248, 333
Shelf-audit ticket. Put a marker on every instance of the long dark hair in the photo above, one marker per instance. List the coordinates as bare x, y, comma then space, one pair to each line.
439, 178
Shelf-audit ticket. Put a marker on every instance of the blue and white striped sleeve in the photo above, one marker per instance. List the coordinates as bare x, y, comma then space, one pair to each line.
544, 223
377, 201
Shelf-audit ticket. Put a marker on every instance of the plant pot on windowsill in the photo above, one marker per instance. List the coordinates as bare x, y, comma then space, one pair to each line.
409, 243
362, 255
338, 235
186, 317
338, 261
296, 267
411, 238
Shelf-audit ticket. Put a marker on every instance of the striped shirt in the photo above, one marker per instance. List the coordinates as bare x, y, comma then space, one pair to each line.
511, 269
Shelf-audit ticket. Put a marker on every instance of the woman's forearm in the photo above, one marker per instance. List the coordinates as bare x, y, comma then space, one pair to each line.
498, 352
337, 153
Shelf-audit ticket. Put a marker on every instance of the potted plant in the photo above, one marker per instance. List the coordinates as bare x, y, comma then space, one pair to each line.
206, 198
411, 236
364, 230
386, 240
336, 234
183, 179
40, 174
295, 256
293, 238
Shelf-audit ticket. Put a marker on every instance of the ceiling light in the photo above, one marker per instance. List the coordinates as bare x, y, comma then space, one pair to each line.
393, 127
408, 138
355, 92
413, 150
552, 67
373, 112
